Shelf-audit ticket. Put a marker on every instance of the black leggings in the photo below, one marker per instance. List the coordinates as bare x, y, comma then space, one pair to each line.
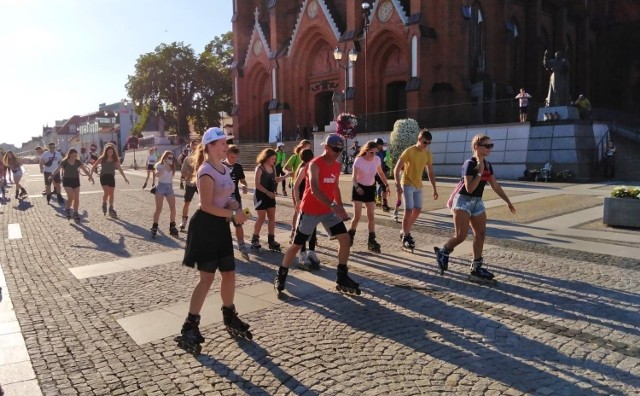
313, 239
280, 172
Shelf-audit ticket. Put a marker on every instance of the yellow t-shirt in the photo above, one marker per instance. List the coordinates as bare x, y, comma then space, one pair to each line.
414, 163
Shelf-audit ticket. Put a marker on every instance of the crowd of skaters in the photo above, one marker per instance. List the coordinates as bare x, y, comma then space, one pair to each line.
210, 169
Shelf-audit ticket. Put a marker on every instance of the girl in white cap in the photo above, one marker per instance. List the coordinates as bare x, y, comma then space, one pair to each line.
209, 245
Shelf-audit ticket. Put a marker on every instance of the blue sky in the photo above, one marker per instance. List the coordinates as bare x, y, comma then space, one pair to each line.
64, 57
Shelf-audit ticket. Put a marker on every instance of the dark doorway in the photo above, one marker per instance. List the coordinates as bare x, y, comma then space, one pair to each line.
396, 103
324, 109
265, 121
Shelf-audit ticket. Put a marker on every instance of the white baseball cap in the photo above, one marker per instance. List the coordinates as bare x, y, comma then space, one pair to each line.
280, 144
213, 134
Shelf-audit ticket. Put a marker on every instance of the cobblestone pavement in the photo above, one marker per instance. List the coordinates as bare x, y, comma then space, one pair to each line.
563, 318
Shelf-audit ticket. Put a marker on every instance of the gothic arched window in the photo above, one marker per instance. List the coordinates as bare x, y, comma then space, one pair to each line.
476, 42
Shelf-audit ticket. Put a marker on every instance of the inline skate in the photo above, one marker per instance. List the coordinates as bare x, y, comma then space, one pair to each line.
385, 206
442, 256
76, 216
183, 224
244, 250
314, 263
68, 213
233, 324
272, 244
173, 231
190, 337
372, 244
104, 208
281, 279
345, 284
112, 213
154, 230
479, 274
255, 243
352, 236
408, 244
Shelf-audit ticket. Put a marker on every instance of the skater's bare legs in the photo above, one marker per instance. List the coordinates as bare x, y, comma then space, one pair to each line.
357, 212
271, 225
171, 200
259, 221
371, 221
108, 195
227, 287
159, 203
461, 223
479, 227
290, 254
200, 292
410, 216
343, 250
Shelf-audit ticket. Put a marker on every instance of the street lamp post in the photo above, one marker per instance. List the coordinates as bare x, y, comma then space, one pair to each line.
366, 12
353, 57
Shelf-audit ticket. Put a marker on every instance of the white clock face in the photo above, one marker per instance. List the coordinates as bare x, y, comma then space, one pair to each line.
257, 47
312, 9
385, 11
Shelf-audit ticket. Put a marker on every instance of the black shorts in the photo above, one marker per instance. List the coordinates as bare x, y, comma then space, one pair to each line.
263, 202
523, 110
149, 167
368, 194
189, 192
71, 182
108, 180
47, 182
209, 246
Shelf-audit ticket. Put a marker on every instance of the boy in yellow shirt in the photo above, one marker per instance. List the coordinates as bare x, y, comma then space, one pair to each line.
411, 163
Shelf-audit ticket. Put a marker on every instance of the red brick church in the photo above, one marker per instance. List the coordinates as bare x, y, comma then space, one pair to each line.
444, 63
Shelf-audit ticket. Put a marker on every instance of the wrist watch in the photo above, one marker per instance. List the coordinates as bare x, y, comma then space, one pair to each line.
233, 213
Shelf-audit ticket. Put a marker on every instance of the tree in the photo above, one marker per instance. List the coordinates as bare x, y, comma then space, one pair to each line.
184, 87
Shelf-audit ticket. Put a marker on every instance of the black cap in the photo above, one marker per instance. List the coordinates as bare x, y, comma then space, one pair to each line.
379, 141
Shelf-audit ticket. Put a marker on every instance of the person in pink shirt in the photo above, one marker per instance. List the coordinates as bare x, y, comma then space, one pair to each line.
365, 168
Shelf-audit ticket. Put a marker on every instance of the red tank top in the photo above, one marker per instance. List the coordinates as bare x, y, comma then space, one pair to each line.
328, 178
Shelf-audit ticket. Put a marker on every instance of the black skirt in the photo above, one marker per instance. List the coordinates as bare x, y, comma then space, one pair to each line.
209, 246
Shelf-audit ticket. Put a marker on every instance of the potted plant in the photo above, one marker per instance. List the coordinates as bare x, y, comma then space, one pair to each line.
622, 208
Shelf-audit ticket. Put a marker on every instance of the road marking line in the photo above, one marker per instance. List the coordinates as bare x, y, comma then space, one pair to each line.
14, 231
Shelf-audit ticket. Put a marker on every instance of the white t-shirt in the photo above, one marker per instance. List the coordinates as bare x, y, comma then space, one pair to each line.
367, 170
524, 99
46, 156
151, 159
164, 175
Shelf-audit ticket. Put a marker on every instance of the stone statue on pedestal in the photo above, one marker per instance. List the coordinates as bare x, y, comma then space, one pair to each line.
337, 99
559, 81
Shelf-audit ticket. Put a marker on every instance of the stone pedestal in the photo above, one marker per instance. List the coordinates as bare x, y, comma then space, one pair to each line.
332, 127
558, 113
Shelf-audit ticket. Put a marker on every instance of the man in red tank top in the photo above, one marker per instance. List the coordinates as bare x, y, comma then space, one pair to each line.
322, 203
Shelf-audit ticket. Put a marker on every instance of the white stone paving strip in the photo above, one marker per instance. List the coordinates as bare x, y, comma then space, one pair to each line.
14, 231
16, 371
112, 267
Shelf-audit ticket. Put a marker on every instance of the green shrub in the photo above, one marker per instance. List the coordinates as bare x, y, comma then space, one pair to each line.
626, 192
404, 135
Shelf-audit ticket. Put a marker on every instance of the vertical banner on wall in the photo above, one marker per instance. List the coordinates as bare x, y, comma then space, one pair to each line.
275, 128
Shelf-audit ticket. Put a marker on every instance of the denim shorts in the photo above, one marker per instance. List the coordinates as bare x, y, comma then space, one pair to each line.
412, 197
472, 205
164, 189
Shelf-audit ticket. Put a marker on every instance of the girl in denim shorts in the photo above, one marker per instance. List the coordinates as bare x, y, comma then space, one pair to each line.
468, 208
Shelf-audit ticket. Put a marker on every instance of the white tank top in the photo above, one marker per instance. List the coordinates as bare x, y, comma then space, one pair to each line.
223, 185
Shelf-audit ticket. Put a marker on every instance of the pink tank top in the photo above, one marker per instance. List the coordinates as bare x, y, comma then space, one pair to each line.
223, 185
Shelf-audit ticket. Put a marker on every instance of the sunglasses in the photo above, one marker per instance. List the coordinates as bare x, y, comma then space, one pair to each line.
426, 142
489, 145
336, 149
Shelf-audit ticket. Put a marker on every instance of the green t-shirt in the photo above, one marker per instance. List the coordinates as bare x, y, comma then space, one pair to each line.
414, 163
294, 162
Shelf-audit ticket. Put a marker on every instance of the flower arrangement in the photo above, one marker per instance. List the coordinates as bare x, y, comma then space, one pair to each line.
346, 125
404, 134
626, 192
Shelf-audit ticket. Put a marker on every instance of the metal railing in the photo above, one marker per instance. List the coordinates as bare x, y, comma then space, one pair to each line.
453, 115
